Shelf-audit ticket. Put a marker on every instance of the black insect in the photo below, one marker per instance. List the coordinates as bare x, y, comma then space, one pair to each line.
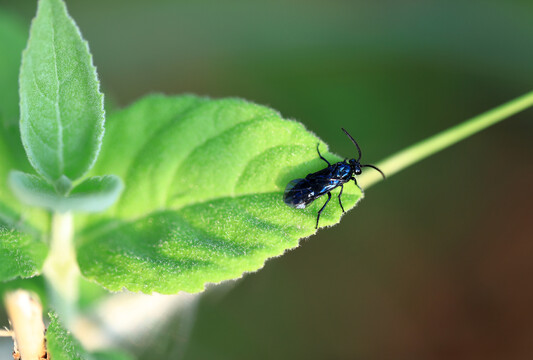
301, 192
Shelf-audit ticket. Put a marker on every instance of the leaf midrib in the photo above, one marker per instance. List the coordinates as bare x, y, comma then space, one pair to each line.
95, 229
60, 144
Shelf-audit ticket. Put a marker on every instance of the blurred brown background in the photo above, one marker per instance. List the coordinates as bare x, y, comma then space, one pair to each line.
437, 261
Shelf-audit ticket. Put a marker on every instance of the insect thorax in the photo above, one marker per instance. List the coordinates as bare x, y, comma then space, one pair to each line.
342, 171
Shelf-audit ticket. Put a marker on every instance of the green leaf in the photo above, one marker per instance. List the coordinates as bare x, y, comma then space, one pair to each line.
203, 200
61, 344
21, 255
95, 194
61, 107
92, 195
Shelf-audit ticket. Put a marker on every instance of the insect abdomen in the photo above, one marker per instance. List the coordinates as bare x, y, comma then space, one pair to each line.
298, 194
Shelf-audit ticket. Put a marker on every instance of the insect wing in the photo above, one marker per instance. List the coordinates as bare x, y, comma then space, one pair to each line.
298, 194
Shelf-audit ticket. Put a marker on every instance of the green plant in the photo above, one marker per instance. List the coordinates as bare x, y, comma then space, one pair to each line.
181, 191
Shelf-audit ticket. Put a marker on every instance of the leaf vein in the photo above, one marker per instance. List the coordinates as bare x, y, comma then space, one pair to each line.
252, 159
178, 166
39, 136
153, 138
39, 90
60, 144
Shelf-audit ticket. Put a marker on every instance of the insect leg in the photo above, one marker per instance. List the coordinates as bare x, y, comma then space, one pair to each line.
322, 208
318, 151
355, 181
340, 202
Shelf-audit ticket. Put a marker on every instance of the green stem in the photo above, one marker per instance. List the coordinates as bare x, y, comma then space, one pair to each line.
438, 142
61, 268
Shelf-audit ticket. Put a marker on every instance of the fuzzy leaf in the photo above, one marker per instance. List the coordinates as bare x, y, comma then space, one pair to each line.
61, 106
62, 345
92, 195
95, 194
21, 255
203, 200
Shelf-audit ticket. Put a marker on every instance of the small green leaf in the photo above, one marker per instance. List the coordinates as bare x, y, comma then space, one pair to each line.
61, 344
92, 195
203, 200
61, 106
33, 190
96, 194
21, 255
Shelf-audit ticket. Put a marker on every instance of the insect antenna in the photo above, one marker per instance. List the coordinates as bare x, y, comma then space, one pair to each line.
375, 168
355, 142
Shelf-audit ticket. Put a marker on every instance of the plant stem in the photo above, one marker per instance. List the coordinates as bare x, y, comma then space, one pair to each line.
446, 138
61, 268
26, 317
